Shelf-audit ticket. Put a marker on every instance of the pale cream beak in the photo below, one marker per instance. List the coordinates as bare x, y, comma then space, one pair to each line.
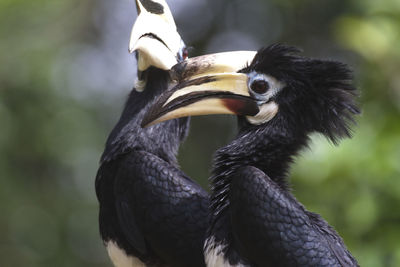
154, 36
208, 84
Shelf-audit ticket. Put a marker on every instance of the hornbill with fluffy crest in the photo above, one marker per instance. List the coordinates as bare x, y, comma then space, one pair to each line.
280, 98
151, 213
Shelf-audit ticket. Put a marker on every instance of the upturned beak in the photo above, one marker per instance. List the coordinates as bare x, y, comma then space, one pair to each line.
205, 85
154, 36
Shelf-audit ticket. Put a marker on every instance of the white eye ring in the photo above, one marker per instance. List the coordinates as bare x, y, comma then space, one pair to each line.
274, 86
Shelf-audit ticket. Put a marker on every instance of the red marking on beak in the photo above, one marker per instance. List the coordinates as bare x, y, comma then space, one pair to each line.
241, 106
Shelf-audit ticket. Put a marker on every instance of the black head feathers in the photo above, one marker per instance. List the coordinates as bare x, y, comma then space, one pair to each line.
318, 95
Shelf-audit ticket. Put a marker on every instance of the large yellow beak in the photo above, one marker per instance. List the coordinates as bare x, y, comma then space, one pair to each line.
154, 36
208, 84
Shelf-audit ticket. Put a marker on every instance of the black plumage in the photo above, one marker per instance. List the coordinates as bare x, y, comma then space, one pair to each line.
151, 213
254, 216
148, 207
280, 99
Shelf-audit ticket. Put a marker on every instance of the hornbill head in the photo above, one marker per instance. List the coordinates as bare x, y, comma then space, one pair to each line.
155, 38
277, 88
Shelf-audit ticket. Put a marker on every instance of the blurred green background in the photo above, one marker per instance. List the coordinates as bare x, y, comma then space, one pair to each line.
65, 72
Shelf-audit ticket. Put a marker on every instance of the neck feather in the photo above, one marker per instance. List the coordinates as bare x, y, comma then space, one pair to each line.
270, 148
161, 139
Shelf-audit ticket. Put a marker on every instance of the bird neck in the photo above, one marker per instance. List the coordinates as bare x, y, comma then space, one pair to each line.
270, 148
161, 139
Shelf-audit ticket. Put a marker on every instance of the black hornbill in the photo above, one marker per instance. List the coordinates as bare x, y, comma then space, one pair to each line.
151, 213
280, 99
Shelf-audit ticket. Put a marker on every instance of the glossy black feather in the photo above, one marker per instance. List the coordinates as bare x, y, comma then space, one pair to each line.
167, 206
253, 214
281, 232
319, 94
147, 205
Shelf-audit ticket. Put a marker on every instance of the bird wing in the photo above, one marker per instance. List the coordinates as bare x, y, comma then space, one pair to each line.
272, 228
157, 202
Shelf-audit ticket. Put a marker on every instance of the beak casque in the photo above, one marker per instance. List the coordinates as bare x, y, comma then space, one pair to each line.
207, 84
154, 36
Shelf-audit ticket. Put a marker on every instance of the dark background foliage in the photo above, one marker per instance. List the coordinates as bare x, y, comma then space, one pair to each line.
65, 72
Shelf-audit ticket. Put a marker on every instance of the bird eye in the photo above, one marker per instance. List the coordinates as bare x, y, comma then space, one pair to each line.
259, 86
185, 53
263, 87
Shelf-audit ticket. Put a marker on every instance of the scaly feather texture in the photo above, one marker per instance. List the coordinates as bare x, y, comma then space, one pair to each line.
255, 220
148, 207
